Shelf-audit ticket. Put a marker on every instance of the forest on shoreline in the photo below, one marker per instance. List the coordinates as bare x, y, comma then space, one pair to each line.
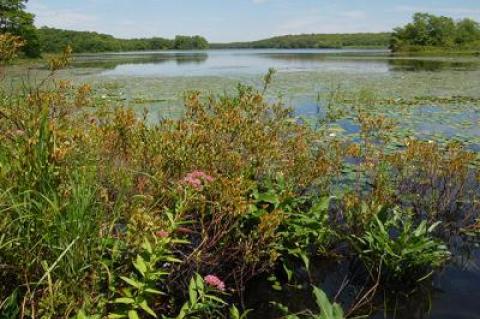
426, 33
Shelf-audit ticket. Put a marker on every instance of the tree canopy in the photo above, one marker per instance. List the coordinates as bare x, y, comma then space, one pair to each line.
54, 40
313, 41
15, 20
427, 30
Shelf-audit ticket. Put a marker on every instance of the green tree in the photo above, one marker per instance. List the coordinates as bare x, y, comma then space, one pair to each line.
182, 42
427, 30
15, 20
468, 30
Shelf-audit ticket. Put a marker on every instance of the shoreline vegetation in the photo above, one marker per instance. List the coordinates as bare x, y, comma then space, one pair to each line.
106, 215
426, 34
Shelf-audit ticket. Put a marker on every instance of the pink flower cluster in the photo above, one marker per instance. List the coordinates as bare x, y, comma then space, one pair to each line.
162, 234
214, 282
197, 179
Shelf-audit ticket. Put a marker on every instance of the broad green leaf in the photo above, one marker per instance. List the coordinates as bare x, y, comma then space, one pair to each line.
140, 265
126, 301
147, 309
132, 282
133, 314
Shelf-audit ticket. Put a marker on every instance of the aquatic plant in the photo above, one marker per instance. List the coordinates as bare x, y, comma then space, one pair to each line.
397, 250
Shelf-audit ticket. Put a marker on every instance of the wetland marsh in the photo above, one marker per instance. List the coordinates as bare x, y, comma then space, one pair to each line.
369, 97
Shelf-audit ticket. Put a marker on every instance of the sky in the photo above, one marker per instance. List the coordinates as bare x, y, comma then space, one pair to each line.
238, 20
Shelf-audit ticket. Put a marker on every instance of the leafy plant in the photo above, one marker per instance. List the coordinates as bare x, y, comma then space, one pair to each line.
299, 224
202, 302
397, 249
141, 289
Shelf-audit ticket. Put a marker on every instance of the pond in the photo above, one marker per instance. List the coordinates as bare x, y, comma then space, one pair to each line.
434, 98
441, 92
241, 62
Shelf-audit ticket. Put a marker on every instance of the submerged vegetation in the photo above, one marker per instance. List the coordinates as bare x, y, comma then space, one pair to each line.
108, 215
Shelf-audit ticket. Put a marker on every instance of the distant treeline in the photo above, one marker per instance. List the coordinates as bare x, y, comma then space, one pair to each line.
425, 33
436, 33
54, 40
313, 41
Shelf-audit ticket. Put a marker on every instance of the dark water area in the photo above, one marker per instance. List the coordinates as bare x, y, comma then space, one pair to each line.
247, 61
452, 293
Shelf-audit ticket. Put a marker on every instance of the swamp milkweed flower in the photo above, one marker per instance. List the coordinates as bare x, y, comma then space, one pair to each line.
214, 282
197, 179
162, 234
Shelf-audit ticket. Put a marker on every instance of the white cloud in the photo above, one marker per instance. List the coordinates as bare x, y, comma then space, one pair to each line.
328, 22
355, 14
62, 18
447, 11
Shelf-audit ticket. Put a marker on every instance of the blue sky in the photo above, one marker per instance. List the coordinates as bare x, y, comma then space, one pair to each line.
238, 20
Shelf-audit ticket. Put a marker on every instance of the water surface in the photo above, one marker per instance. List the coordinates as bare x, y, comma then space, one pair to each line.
228, 62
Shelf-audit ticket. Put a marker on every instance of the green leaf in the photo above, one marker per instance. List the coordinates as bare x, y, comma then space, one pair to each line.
234, 313
192, 292
147, 309
215, 298
126, 301
199, 283
81, 315
154, 291
140, 265
133, 314
147, 246
132, 282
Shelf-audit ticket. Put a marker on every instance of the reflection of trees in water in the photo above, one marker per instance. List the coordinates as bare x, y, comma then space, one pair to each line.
112, 61
431, 65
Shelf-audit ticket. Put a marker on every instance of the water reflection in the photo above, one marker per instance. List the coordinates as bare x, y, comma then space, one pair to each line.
112, 61
416, 65
227, 62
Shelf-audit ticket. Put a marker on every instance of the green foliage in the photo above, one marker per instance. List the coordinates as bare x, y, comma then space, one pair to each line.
14, 20
291, 225
235, 313
328, 310
9, 308
314, 41
55, 40
428, 30
202, 302
197, 42
140, 289
397, 250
